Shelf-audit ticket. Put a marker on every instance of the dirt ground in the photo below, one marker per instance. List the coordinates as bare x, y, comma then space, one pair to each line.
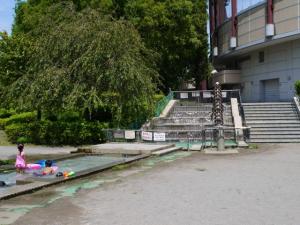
252, 188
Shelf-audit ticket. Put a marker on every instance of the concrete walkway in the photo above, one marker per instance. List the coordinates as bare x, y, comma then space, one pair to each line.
246, 189
125, 148
7, 152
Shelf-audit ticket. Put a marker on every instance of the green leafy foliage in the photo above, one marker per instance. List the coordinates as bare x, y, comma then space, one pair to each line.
17, 130
297, 87
158, 97
15, 53
69, 116
26, 117
79, 62
83, 60
177, 31
56, 132
5, 113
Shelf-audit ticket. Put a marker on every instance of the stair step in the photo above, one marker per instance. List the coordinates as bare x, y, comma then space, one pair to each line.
272, 126
279, 129
166, 151
274, 140
270, 112
268, 103
274, 136
279, 108
274, 132
277, 118
291, 122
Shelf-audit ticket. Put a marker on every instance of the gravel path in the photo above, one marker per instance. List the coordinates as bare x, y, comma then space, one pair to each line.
246, 189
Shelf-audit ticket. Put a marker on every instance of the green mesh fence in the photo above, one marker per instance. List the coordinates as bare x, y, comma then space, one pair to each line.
161, 105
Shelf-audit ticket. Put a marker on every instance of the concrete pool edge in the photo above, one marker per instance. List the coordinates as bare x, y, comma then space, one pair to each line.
38, 184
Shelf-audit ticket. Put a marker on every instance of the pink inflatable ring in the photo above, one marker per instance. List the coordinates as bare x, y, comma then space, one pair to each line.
33, 166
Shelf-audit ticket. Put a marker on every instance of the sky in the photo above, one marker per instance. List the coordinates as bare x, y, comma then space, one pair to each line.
6, 14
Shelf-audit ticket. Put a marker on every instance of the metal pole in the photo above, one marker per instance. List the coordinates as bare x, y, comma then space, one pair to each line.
221, 141
218, 116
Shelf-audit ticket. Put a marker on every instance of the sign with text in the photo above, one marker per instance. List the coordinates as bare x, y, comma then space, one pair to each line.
196, 94
146, 136
130, 134
118, 134
184, 95
206, 95
159, 136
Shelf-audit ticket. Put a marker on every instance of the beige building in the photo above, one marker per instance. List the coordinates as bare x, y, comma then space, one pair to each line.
256, 49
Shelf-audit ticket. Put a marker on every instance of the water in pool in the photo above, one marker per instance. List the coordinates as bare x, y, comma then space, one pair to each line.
75, 165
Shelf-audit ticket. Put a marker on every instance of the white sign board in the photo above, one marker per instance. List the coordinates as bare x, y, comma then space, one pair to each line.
118, 134
146, 136
206, 95
224, 94
195, 94
184, 95
130, 134
159, 136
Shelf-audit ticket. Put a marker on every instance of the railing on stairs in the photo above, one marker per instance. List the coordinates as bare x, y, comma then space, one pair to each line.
161, 105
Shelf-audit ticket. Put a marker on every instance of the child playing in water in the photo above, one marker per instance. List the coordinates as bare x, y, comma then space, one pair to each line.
20, 159
48, 168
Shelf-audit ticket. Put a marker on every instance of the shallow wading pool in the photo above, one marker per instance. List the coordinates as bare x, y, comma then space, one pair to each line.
76, 165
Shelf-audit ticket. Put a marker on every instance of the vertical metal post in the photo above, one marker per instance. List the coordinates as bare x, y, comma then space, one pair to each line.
220, 140
270, 19
233, 39
188, 148
221, 11
270, 28
218, 116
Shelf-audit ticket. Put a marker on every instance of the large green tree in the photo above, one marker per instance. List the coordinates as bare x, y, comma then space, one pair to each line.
176, 29
83, 60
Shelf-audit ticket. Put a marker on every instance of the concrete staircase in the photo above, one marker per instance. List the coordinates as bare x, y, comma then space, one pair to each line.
186, 120
275, 122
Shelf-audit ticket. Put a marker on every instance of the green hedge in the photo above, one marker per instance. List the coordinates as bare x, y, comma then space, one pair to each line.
5, 113
57, 132
26, 117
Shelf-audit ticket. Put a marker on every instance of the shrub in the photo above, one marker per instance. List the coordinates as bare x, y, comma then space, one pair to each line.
3, 122
24, 140
297, 87
158, 97
5, 113
69, 117
56, 132
26, 117
17, 130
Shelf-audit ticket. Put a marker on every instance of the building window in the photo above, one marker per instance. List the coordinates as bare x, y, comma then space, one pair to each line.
261, 57
228, 8
244, 4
